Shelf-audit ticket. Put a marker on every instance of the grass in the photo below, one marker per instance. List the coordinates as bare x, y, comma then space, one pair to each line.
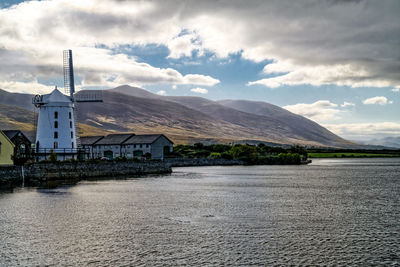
351, 155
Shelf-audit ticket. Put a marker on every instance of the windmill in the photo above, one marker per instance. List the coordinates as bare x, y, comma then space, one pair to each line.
57, 125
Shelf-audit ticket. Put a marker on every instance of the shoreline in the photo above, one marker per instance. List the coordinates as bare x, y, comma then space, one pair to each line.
72, 172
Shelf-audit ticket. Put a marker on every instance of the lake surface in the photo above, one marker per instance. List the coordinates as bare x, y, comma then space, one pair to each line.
331, 212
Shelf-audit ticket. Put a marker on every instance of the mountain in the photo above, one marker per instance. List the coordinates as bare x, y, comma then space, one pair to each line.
135, 91
257, 120
183, 119
308, 129
390, 141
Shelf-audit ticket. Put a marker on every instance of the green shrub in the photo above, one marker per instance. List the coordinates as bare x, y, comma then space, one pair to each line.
53, 156
215, 155
226, 155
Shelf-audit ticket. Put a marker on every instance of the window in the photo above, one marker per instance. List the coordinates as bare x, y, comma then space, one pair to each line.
134, 146
72, 144
55, 115
70, 115
140, 145
72, 134
147, 145
70, 124
0, 147
55, 135
55, 124
55, 145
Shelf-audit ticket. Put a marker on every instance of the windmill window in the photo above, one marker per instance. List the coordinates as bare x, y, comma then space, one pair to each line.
72, 134
55, 124
72, 145
0, 147
55, 135
134, 146
55, 145
55, 115
141, 146
147, 145
69, 114
70, 124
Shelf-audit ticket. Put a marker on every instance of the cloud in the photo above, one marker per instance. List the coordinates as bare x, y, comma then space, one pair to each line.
396, 90
26, 87
347, 104
339, 74
161, 92
33, 35
309, 42
365, 131
183, 45
377, 100
322, 110
199, 79
199, 90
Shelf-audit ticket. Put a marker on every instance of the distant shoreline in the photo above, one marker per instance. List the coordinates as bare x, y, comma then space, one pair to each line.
351, 155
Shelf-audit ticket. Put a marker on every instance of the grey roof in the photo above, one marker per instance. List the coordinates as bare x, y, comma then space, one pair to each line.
114, 139
144, 139
90, 140
12, 133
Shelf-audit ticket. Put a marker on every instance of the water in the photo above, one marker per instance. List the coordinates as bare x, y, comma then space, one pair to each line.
332, 212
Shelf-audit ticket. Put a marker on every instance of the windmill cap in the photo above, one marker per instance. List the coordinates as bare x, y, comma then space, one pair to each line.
57, 96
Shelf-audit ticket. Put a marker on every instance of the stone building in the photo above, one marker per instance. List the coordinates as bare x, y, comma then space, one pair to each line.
127, 145
22, 146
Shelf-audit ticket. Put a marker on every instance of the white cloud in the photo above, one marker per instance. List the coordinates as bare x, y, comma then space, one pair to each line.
342, 75
310, 42
396, 90
26, 87
365, 131
199, 79
377, 100
33, 35
174, 87
347, 104
161, 92
322, 110
199, 90
183, 45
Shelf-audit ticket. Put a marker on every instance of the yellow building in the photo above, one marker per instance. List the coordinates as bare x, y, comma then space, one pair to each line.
6, 150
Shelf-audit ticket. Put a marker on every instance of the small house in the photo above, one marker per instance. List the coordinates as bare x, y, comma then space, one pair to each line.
87, 143
6, 150
110, 146
22, 146
130, 145
154, 145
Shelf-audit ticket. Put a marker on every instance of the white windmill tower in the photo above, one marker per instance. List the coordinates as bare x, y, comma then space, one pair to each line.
56, 127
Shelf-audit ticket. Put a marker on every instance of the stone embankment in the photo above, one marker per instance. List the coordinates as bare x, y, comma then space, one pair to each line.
45, 172
74, 171
186, 162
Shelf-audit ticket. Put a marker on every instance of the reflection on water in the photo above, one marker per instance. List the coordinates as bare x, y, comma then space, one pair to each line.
332, 212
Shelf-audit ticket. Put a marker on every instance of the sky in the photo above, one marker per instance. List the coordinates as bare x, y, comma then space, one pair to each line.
336, 62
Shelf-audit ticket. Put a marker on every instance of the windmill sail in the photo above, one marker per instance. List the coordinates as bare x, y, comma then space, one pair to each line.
69, 83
